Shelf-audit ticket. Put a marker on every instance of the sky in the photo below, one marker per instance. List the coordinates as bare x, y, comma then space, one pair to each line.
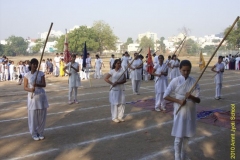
127, 18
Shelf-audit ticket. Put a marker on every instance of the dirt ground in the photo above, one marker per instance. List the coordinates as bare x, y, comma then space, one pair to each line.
85, 131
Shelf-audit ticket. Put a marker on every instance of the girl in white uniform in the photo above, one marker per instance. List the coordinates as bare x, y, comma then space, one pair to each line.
97, 66
72, 69
174, 64
117, 95
219, 69
37, 106
184, 125
160, 73
136, 73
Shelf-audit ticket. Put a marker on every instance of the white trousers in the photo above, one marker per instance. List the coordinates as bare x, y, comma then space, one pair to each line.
56, 70
70, 93
145, 77
2, 76
124, 68
218, 90
117, 111
12, 76
136, 85
180, 147
236, 66
97, 73
159, 101
87, 72
36, 121
82, 75
227, 66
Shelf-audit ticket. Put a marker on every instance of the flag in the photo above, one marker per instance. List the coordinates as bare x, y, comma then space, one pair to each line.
149, 62
66, 53
201, 62
84, 55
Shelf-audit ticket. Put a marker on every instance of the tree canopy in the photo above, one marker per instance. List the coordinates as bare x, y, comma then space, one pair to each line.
15, 46
146, 42
99, 37
233, 39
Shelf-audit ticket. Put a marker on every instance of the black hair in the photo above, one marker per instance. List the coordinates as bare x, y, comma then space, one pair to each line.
126, 52
185, 63
115, 62
73, 55
97, 56
174, 56
169, 57
112, 55
33, 61
161, 56
220, 57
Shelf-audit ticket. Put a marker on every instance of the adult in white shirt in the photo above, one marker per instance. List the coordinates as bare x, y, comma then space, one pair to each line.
219, 69
125, 62
56, 61
111, 61
155, 59
11, 71
136, 73
227, 62
174, 64
237, 63
98, 66
161, 83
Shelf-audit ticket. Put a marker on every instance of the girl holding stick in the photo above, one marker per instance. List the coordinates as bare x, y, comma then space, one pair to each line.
38, 104
74, 79
116, 94
184, 125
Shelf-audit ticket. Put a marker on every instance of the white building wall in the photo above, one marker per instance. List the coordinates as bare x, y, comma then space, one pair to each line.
133, 47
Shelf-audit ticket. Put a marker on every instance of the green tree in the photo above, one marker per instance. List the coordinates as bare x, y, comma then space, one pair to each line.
15, 46
105, 36
1, 49
125, 45
233, 39
209, 49
191, 47
146, 42
38, 46
77, 38
162, 46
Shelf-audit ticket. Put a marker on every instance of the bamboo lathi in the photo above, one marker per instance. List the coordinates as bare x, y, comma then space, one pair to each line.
42, 56
210, 60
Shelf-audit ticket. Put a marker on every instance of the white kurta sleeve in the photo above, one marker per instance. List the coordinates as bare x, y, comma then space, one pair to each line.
171, 87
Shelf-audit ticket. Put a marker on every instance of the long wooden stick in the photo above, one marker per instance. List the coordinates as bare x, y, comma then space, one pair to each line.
125, 69
42, 55
210, 60
173, 54
181, 48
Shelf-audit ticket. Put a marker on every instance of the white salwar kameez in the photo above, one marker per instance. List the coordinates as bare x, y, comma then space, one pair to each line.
124, 64
160, 86
37, 106
57, 66
74, 80
175, 70
167, 62
117, 95
145, 72
184, 124
218, 79
98, 65
88, 66
136, 75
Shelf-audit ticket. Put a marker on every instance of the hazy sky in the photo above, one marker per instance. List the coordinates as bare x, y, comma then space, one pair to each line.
128, 18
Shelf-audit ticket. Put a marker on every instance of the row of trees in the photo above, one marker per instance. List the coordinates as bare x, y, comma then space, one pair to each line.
100, 37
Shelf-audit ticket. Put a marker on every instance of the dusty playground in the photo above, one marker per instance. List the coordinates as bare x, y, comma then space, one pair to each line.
85, 131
